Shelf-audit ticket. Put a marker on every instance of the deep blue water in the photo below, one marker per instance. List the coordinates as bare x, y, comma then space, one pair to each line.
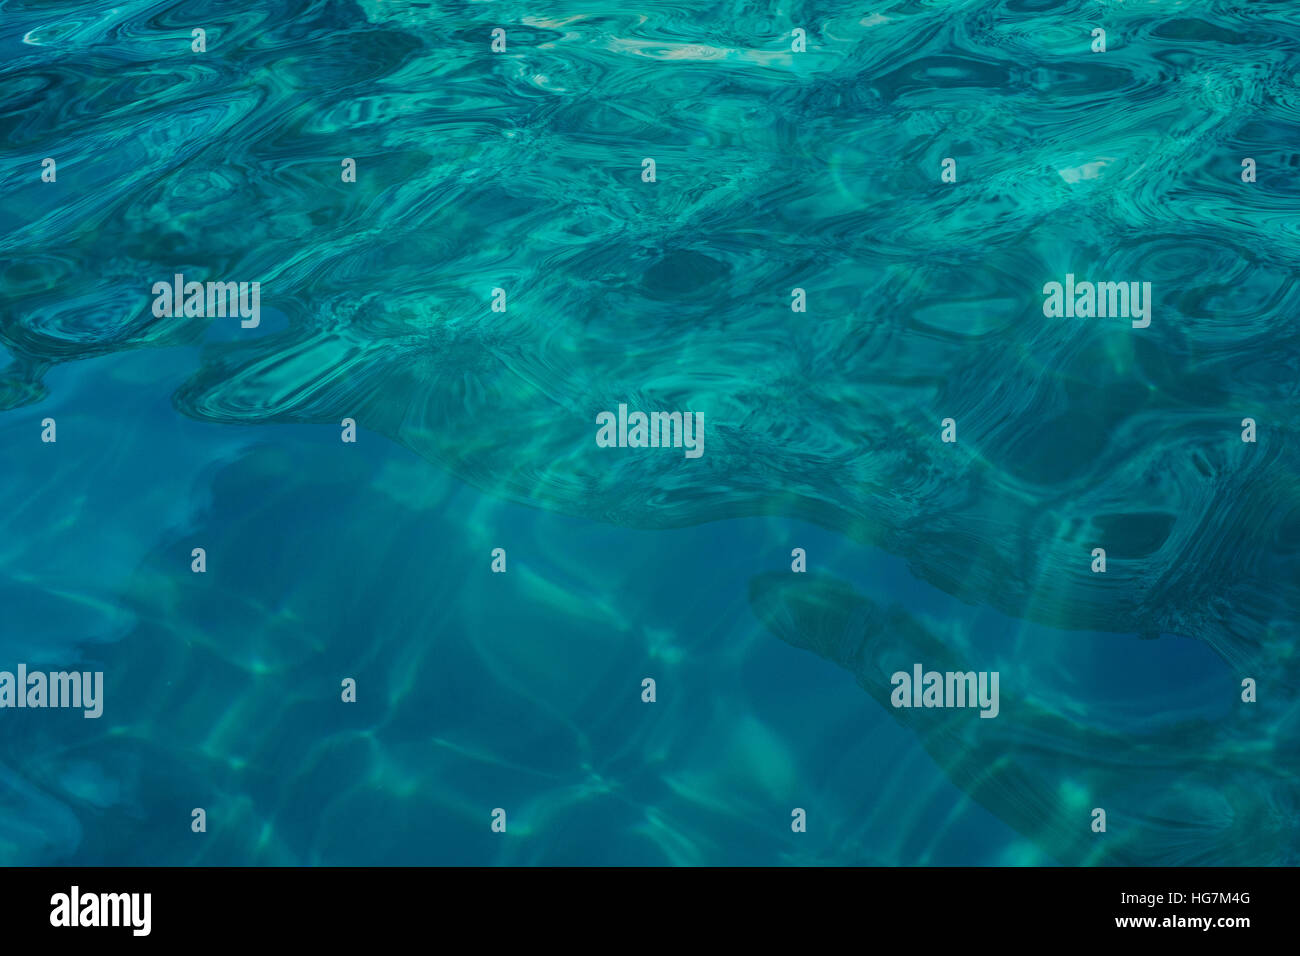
776, 170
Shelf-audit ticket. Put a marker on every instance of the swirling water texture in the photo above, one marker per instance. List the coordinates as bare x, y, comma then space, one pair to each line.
776, 170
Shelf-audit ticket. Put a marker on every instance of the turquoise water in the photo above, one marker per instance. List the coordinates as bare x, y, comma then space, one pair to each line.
523, 170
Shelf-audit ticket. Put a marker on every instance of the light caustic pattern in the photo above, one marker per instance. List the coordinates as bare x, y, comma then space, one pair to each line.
776, 170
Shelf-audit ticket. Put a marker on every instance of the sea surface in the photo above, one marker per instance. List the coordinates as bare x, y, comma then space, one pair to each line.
774, 170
